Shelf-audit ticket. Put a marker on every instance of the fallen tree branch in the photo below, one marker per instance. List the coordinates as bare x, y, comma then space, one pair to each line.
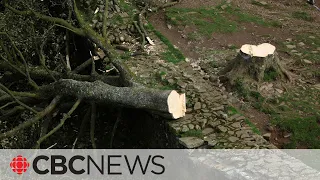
5, 89
30, 122
65, 117
167, 102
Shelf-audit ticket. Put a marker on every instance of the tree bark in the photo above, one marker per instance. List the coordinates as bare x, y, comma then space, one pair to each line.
165, 102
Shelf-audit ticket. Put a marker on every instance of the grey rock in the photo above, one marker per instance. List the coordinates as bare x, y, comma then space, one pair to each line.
236, 125
267, 136
291, 46
214, 123
218, 108
185, 128
197, 106
191, 126
233, 117
197, 127
207, 131
222, 129
233, 139
191, 142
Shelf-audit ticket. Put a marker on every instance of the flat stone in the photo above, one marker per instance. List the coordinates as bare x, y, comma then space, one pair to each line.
212, 142
207, 131
197, 127
291, 46
171, 81
307, 61
222, 129
214, 124
207, 114
233, 139
236, 125
185, 128
182, 84
191, 142
197, 106
240, 118
234, 117
231, 132
267, 136
190, 126
301, 44
218, 108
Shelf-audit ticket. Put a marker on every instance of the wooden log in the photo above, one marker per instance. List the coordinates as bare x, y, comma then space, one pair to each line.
168, 102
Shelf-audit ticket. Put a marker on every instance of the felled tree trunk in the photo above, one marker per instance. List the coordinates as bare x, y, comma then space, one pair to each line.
252, 62
167, 103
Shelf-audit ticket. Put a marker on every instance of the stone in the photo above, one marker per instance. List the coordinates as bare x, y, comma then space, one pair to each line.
307, 61
197, 127
233, 139
197, 106
236, 125
214, 124
231, 118
191, 126
207, 131
312, 37
291, 46
223, 7
240, 118
207, 114
171, 81
182, 84
218, 108
222, 129
267, 136
185, 128
301, 44
191, 142
213, 79
231, 132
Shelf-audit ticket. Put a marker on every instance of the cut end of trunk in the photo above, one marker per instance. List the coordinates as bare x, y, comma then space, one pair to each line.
262, 50
177, 104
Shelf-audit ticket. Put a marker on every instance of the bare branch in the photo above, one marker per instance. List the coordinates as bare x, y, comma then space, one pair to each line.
65, 117
5, 89
28, 123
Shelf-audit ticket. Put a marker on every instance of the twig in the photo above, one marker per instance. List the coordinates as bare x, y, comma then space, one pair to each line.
6, 105
65, 117
31, 82
115, 128
92, 124
82, 66
143, 37
5, 89
57, 21
28, 123
105, 19
82, 126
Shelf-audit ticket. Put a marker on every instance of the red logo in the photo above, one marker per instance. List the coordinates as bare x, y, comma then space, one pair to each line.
19, 164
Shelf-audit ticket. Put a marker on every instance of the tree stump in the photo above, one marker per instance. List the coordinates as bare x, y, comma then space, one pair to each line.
253, 62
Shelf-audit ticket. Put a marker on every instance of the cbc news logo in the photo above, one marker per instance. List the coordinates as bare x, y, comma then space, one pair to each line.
19, 164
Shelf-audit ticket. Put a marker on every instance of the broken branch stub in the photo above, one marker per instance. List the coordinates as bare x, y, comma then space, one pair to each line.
164, 102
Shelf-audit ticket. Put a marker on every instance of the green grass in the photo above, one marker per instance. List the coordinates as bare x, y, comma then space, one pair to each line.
192, 133
297, 112
303, 16
214, 19
172, 54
